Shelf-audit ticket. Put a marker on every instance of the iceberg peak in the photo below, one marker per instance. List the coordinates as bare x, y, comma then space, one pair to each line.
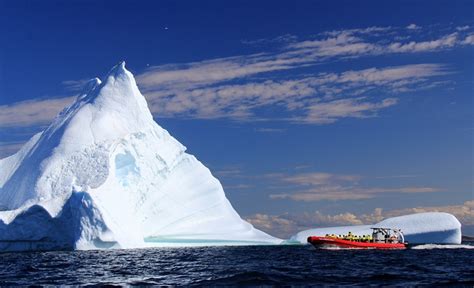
90, 85
118, 85
118, 71
105, 174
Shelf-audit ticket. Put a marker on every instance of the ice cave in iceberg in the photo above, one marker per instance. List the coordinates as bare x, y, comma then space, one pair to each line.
429, 227
104, 174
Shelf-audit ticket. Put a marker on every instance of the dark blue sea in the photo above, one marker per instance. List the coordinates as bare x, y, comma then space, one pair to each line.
248, 266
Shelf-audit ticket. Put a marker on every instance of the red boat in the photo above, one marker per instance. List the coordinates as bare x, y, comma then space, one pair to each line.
382, 238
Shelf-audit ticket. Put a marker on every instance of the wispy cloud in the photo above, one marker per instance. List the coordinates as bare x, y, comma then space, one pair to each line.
413, 27
270, 130
286, 224
367, 31
320, 99
229, 172
74, 85
319, 178
330, 112
445, 42
348, 45
236, 87
317, 186
263, 41
397, 176
333, 44
464, 212
469, 40
463, 28
32, 112
8, 148
238, 187
228, 87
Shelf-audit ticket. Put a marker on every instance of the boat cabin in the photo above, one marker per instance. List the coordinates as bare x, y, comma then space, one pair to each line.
387, 235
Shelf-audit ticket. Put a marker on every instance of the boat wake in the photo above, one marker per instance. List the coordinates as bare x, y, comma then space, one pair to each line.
439, 246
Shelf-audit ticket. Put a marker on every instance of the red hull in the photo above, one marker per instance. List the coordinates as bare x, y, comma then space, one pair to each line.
334, 242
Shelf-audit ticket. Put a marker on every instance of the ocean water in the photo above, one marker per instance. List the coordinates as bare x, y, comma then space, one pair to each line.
433, 265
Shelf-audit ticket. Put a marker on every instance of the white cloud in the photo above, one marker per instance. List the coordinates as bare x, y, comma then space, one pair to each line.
469, 40
286, 224
32, 112
227, 87
279, 39
464, 212
371, 31
279, 226
397, 176
340, 39
317, 186
413, 27
447, 41
270, 130
318, 178
330, 112
9, 148
393, 74
315, 99
229, 172
463, 28
74, 85
320, 99
345, 43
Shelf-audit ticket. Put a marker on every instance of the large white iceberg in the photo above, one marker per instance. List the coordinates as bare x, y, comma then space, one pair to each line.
104, 174
430, 227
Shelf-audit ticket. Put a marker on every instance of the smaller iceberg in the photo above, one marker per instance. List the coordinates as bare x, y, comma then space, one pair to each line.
420, 228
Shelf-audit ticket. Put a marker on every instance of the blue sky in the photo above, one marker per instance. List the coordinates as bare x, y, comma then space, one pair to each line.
310, 113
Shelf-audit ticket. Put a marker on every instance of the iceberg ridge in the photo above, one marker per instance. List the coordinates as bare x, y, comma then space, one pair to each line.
123, 181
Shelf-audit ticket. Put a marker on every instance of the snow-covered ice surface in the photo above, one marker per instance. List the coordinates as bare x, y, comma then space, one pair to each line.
104, 174
430, 227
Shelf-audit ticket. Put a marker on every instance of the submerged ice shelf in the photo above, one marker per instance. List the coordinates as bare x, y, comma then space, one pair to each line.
104, 174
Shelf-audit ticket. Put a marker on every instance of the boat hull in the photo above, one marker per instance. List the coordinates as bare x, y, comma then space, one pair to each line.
327, 242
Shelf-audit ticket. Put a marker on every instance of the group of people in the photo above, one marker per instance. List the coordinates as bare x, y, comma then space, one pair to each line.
387, 238
352, 237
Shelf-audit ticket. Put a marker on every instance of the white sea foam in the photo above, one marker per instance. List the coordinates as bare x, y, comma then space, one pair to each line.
440, 246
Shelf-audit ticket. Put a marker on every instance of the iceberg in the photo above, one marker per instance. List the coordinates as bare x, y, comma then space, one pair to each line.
104, 174
419, 228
